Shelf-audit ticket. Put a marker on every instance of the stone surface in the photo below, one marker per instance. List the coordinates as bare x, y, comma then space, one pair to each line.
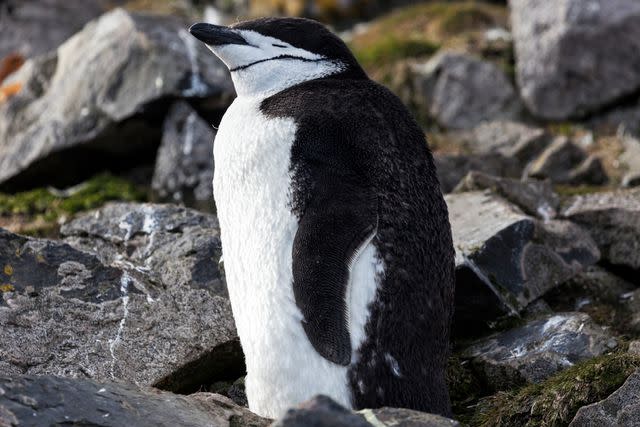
575, 56
38, 26
452, 168
630, 160
96, 101
134, 295
321, 411
47, 401
532, 196
510, 139
184, 165
622, 408
564, 162
537, 350
460, 91
506, 259
613, 219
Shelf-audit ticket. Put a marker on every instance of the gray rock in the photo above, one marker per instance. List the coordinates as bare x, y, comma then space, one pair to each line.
613, 219
398, 417
321, 411
460, 91
506, 259
35, 27
534, 197
94, 102
575, 56
47, 401
452, 168
630, 160
510, 139
622, 408
634, 347
184, 165
535, 351
134, 296
594, 290
564, 162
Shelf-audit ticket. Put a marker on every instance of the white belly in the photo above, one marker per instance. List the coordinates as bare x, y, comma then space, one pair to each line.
251, 189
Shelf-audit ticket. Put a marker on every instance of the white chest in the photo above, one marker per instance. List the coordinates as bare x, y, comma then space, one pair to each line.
252, 190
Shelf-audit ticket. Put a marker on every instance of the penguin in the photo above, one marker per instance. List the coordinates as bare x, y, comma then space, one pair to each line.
335, 235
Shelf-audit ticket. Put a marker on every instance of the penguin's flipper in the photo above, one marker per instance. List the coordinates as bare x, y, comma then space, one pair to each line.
337, 221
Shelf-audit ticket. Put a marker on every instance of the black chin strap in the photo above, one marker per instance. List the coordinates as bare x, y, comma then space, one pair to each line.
244, 67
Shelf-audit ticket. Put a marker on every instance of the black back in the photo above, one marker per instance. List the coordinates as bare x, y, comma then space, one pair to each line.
356, 140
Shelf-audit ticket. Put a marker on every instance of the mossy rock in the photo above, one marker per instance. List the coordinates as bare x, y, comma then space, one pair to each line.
418, 30
37, 212
556, 401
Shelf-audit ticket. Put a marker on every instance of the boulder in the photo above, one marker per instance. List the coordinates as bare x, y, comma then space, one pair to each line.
510, 139
506, 259
47, 401
622, 408
452, 168
597, 292
460, 91
613, 219
532, 196
134, 294
97, 101
184, 165
564, 162
322, 411
575, 57
535, 351
35, 27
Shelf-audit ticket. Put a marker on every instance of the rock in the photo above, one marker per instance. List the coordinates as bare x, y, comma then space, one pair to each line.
630, 160
613, 219
573, 55
322, 411
134, 294
631, 302
563, 162
625, 115
634, 347
533, 196
460, 91
506, 259
35, 27
535, 351
95, 103
622, 408
47, 401
184, 166
597, 292
452, 168
510, 139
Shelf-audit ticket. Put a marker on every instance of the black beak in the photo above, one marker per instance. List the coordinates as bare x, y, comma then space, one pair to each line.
216, 35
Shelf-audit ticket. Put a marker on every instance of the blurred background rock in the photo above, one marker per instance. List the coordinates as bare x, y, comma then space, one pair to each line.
108, 112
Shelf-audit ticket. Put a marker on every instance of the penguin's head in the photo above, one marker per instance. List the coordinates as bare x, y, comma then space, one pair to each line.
271, 54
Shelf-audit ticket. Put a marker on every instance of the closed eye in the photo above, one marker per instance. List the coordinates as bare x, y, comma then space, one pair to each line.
278, 45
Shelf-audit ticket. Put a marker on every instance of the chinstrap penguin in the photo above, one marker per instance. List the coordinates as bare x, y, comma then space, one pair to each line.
336, 238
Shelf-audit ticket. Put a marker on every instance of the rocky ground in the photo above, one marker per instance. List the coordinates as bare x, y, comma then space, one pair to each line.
111, 280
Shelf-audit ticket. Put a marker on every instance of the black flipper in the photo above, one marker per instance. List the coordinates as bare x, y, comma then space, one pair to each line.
338, 219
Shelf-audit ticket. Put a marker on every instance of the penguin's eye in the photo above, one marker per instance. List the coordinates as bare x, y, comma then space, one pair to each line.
278, 45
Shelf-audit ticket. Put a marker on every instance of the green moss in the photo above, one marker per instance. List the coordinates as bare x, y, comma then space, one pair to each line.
464, 387
392, 48
555, 401
565, 191
38, 210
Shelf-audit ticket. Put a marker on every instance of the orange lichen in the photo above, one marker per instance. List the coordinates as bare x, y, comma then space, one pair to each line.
8, 91
8, 270
9, 64
7, 287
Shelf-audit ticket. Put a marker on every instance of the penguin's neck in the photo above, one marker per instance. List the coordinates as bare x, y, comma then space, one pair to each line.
267, 78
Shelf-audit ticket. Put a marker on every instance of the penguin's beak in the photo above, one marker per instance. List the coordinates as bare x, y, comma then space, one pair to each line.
216, 35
